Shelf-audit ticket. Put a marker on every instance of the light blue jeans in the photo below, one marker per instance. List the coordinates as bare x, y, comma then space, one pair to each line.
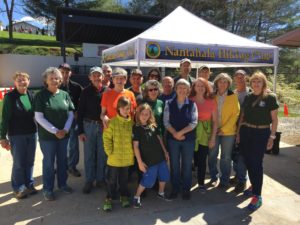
94, 155
226, 143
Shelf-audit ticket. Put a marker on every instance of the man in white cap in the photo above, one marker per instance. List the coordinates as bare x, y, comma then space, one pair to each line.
185, 70
204, 72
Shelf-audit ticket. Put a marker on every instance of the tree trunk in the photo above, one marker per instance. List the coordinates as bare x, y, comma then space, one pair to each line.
9, 12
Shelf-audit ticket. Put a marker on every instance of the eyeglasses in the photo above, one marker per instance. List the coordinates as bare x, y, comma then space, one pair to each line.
153, 89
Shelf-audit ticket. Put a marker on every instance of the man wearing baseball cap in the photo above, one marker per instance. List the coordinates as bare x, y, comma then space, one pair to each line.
74, 90
90, 130
204, 72
185, 69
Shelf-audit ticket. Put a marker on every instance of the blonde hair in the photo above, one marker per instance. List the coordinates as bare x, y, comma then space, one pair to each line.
151, 121
20, 74
260, 76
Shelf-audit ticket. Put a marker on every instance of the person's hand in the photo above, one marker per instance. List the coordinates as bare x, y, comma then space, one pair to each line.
82, 137
5, 144
105, 121
60, 134
211, 143
220, 132
237, 139
143, 167
167, 156
270, 144
178, 136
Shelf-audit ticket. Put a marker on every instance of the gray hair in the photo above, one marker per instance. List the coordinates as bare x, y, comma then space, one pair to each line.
49, 71
149, 84
182, 82
220, 77
119, 72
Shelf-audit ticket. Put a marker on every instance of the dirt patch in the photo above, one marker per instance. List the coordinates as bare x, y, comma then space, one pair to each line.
290, 128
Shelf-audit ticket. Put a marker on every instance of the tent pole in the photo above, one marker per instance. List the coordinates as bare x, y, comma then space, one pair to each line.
197, 72
275, 75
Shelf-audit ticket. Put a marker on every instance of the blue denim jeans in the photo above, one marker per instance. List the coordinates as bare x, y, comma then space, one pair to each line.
54, 150
73, 146
23, 153
181, 156
240, 168
226, 143
94, 155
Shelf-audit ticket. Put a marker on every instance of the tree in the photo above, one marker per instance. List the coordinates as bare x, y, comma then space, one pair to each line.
9, 12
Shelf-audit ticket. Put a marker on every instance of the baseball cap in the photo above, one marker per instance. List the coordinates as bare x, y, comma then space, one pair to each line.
243, 72
185, 60
64, 66
96, 69
137, 72
204, 67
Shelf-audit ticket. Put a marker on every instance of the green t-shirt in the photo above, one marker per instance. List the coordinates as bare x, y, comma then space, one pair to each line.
260, 113
55, 108
149, 145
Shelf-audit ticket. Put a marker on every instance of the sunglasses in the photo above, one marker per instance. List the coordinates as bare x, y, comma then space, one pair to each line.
153, 89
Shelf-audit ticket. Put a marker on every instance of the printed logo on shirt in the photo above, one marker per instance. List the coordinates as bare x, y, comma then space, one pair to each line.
262, 104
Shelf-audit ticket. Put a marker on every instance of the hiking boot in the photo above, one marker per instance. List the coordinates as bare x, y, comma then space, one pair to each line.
137, 202
107, 206
66, 189
21, 194
75, 172
248, 192
124, 201
240, 187
87, 188
48, 195
255, 203
164, 197
32, 190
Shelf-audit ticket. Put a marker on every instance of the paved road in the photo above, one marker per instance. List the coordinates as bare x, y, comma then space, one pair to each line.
281, 201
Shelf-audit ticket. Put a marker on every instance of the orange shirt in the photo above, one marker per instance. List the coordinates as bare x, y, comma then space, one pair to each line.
205, 109
110, 100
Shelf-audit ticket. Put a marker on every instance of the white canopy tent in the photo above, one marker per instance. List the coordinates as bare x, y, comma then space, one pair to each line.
181, 34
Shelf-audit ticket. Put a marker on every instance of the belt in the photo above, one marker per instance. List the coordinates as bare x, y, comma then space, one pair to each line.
256, 126
92, 121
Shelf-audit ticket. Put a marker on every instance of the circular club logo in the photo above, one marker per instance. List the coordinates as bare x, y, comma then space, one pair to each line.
153, 50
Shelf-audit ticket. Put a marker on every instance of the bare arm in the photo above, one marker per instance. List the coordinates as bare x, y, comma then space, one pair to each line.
274, 116
104, 117
164, 148
141, 164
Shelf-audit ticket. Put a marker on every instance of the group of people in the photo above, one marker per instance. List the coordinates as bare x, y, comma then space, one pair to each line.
161, 127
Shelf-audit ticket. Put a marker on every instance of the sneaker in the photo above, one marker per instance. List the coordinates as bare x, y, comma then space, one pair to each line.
124, 201
213, 183
21, 194
240, 187
75, 172
248, 192
222, 186
186, 195
234, 181
107, 206
164, 197
173, 195
32, 190
48, 195
255, 203
202, 189
66, 189
137, 202
87, 187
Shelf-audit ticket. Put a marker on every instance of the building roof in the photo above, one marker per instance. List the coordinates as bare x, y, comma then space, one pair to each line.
290, 39
86, 26
32, 23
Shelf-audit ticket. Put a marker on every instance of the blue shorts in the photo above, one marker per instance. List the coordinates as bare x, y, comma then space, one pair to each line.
159, 171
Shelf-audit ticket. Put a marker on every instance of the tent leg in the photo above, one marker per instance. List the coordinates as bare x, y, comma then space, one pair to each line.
275, 76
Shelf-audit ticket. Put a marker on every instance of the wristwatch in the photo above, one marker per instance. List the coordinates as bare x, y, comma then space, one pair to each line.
273, 137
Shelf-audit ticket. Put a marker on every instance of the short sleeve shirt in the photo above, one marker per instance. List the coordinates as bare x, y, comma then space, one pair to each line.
55, 108
260, 113
149, 145
110, 100
206, 109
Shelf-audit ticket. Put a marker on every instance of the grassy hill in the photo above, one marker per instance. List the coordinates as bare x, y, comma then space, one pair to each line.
32, 44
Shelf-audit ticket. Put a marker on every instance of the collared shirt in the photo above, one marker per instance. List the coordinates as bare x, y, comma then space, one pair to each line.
194, 112
89, 105
221, 99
